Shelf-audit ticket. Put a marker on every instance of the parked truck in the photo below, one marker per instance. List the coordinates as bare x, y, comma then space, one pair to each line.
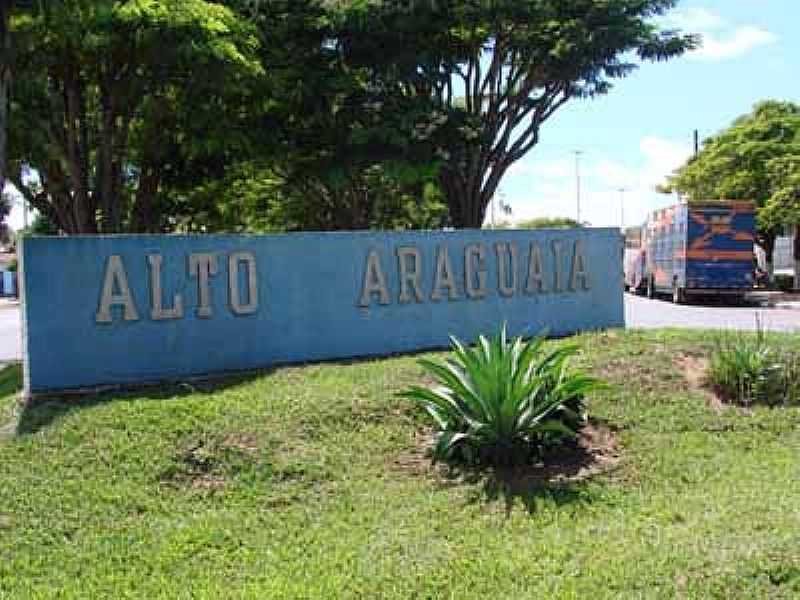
692, 250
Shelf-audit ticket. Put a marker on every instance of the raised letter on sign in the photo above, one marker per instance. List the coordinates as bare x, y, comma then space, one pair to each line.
579, 270
475, 253
557, 285
444, 277
203, 266
374, 282
507, 286
410, 278
235, 299
116, 277
536, 282
157, 310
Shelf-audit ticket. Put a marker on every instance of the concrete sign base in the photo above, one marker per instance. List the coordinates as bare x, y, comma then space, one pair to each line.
122, 310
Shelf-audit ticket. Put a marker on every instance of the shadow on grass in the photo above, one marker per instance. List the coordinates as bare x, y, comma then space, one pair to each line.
39, 413
560, 477
547, 482
10, 380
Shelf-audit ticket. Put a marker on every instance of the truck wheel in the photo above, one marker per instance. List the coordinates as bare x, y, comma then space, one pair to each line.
678, 295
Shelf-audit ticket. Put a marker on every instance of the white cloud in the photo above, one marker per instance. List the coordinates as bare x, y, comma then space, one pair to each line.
741, 41
662, 157
695, 19
547, 188
721, 40
552, 169
612, 174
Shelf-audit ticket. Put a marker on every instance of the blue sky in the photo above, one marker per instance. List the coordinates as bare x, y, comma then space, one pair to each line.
640, 132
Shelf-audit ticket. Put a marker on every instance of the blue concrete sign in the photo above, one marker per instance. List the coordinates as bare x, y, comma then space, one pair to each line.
136, 309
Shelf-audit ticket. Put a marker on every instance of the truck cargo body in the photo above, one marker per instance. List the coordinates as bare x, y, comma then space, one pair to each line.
699, 249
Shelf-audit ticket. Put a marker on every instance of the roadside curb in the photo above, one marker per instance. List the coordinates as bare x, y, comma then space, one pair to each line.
776, 299
787, 305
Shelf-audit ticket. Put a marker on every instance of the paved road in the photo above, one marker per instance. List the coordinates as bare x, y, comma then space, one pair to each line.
650, 314
10, 345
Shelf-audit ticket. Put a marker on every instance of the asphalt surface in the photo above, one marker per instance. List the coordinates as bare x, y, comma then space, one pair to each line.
10, 337
640, 313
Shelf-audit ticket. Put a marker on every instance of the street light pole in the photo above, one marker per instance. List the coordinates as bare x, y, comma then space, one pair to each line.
578, 183
622, 191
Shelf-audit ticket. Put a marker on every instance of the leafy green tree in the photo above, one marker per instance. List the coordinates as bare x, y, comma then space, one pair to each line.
345, 157
491, 73
347, 114
111, 98
550, 223
40, 226
5, 87
783, 206
754, 159
5, 211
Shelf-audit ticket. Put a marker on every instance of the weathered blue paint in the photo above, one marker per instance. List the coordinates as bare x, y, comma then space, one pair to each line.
309, 290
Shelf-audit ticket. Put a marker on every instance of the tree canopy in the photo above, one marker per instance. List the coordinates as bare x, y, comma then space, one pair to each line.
757, 158
5, 87
494, 72
112, 98
201, 115
550, 223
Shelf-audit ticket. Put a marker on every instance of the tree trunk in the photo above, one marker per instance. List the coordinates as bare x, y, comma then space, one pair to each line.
796, 257
111, 149
105, 172
465, 201
469, 195
77, 154
5, 84
146, 218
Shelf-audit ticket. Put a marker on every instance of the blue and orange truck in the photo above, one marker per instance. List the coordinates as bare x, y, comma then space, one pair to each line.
696, 249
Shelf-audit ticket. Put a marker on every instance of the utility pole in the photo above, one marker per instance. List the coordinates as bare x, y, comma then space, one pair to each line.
578, 183
622, 191
696, 142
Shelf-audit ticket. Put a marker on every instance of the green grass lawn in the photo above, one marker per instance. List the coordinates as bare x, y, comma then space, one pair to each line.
297, 484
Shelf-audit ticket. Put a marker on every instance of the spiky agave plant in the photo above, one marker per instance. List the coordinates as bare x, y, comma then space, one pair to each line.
503, 401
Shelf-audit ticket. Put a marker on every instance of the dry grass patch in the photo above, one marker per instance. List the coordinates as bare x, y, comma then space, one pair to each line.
695, 371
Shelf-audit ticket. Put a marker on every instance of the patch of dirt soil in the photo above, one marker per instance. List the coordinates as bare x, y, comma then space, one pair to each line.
596, 451
200, 465
207, 482
695, 369
247, 444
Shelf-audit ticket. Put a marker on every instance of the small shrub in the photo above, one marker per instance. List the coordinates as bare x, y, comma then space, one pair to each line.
784, 283
503, 402
754, 369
